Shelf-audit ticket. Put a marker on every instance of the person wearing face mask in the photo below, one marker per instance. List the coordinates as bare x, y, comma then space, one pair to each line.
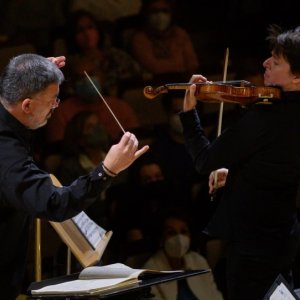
86, 98
160, 46
175, 254
85, 90
85, 145
159, 21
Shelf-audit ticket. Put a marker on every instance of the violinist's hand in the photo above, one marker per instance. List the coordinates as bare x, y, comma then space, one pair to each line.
220, 175
120, 156
60, 61
190, 100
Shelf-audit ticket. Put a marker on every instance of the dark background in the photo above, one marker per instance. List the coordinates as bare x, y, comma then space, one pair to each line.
240, 25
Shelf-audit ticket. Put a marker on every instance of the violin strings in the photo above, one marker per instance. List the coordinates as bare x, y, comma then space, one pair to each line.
86, 74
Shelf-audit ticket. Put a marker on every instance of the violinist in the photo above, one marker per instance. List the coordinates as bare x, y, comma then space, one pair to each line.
256, 216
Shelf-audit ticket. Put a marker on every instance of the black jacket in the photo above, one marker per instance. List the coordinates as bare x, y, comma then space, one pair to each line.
262, 152
26, 192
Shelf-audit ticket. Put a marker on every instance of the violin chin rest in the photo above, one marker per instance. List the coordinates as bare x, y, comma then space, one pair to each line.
264, 102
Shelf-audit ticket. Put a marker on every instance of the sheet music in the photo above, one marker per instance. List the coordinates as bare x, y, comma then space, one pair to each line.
282, 293
92, 231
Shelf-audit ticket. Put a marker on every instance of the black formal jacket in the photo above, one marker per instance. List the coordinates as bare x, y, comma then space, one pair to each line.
26, 192
262, 152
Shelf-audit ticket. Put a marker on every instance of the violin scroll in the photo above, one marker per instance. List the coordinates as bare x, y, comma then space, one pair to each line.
151, 93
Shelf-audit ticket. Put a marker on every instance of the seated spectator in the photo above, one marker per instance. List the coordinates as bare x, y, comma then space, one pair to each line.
169, 149
108, 10
175, 254
86, 98
84, 147
36, 22
148, 194
161, 46
90, 49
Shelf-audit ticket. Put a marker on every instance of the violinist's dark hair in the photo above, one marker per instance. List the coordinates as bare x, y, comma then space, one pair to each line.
287, 44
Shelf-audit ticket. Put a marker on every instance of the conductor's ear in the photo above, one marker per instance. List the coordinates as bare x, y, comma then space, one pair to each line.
26, 105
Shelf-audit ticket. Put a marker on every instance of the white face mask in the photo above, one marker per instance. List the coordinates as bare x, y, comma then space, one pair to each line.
177, 245
159, 21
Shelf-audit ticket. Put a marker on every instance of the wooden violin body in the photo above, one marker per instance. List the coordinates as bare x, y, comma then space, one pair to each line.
221, 92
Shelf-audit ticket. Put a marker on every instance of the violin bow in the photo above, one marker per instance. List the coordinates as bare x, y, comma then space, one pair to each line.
224, 81
98, 92
221, 108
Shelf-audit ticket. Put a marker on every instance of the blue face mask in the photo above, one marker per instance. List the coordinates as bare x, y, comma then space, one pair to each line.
86, 90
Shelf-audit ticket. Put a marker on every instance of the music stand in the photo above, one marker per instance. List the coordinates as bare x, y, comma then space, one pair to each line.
136, 291
280, 290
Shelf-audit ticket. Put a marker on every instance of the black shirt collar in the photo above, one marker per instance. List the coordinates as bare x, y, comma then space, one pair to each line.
10, 122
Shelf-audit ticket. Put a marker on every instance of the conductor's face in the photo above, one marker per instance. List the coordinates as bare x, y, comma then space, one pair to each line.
40, 107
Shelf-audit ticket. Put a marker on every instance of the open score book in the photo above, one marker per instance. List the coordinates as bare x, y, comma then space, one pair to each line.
99, 278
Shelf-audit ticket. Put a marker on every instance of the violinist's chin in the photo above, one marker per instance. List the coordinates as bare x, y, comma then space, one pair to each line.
266, 80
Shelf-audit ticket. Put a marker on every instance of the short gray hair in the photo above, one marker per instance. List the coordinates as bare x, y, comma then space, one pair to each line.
25, 75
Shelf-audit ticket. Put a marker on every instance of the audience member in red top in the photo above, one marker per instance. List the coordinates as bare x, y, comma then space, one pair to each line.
159, 45
87, 98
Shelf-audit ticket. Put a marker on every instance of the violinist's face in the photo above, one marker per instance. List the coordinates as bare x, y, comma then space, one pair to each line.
278, 73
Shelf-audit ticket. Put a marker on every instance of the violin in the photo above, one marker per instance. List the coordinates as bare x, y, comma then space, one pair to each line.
216, 92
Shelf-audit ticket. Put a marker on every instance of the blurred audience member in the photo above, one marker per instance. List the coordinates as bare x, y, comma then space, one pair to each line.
175, 254
84, 147
32, 21
108, 10
151, 193
90, 49
161, 46
148, 194
169, 149
87, 98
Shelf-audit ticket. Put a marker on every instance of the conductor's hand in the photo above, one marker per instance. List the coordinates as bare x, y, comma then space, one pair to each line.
190, 100
217, 179
120, 156
60, 61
